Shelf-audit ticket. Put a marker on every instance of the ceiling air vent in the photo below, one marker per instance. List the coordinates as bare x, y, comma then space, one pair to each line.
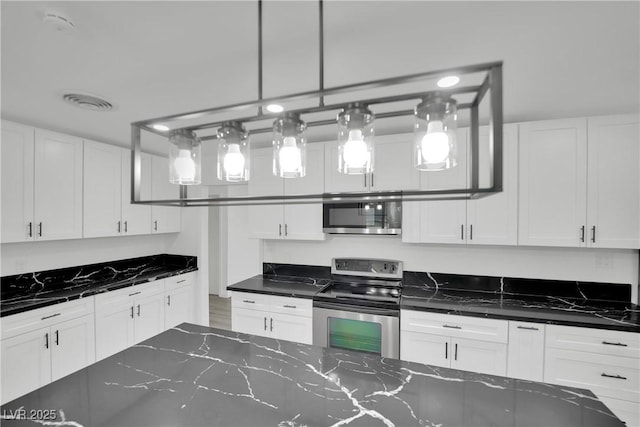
88, 102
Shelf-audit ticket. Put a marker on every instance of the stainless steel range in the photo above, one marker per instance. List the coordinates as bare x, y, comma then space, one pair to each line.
360, 309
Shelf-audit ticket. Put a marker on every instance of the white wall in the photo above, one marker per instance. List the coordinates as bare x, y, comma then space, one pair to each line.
595, 265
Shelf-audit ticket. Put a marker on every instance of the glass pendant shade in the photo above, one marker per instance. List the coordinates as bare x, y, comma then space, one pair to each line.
184, 158
435, 144
355, 140
233, 152
289, 147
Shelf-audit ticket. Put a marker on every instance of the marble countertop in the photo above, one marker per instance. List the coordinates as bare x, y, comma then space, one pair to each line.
195, 376
29, 291
290, 286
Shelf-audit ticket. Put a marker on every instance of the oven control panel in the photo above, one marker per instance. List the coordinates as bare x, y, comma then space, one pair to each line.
382, 268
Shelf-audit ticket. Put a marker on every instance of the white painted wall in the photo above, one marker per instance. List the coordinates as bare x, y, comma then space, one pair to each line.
585, 264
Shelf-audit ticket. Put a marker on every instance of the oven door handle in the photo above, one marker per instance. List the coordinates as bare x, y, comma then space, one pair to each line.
356, 309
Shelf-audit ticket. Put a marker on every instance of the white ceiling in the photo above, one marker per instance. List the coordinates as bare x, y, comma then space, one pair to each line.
561, 59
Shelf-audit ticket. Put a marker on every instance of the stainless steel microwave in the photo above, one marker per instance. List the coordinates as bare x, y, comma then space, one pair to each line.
362, 218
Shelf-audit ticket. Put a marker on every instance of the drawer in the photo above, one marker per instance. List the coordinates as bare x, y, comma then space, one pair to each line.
137, 291
43, 317
474, 328
601, 341
605, 375
175, 282
250, 301
295, 306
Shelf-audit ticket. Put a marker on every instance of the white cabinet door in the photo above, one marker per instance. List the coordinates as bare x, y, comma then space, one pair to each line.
338, 182
58, 186
250, 321
165, 219
445, 221
17, 182
149, 316
136, 219
525, 354
114, 324
179, 307
479, 356
613, 182
26, 363
425, 348
102, 189
73, 346
267, 221
393, 168
493, 220
553, 183
291, 328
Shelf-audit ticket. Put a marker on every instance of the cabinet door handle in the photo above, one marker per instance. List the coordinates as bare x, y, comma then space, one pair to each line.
372, 184
582, 234
132, 312
155, 225
615, 343
618, 377
248, 301
40, 229
446, 350
169, 300
265, 323
452, 326
30, 229
365, 180
471, 232
271, 325
593, 234
528, 328
125, 226
286, 230
57, 338
455, 355
279, 229
461, 231
119, 226
138, 310
46, 340
289, 306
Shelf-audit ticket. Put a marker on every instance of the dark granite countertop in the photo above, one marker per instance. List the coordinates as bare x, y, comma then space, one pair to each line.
29, 291
198, 376
299, 281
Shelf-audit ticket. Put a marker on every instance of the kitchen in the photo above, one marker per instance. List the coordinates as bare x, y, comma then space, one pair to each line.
576, 80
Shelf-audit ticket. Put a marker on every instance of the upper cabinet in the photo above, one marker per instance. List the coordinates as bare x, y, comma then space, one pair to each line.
579, 183
136, 219
41, 184
392, 171
164, 219
301, 222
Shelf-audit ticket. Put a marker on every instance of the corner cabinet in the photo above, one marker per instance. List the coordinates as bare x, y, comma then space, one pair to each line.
164, 219
295, 222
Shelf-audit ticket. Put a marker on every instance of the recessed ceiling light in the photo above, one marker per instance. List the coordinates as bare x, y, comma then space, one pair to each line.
448, 81
275, 108
161, 128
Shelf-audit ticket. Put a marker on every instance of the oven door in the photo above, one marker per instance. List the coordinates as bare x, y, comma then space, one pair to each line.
364, 329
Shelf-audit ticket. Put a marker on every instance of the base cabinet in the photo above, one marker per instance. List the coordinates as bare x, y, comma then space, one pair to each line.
525, 358
178, 300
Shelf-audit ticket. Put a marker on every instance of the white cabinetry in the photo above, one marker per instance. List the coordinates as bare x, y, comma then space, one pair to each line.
43, 345
467, 343
525, 358
136, 219
579, 183
128, 316
272, 316
393, 168
178, 299
164, 219
605, 362
301, 222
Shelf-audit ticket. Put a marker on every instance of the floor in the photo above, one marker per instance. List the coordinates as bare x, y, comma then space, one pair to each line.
219, 312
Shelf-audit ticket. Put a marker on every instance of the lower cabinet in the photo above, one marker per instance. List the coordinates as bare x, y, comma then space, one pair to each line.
178, 300
525, 354
272, 316
44, 345
466, 343
128, 316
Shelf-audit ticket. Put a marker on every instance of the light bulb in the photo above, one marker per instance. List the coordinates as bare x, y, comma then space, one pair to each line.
233, 161
289, 155
355, 150
435, 144
184, 166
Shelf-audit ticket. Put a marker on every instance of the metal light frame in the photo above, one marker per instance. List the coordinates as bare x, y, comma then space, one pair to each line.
492, 83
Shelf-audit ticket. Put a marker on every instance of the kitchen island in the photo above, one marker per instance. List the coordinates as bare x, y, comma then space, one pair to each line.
195, 376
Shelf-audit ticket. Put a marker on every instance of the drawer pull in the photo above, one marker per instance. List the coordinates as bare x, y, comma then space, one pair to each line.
135, 293
618, 377
49, 317
615, 343
180, 281
248, 301
528, 328
451, 326
289, 306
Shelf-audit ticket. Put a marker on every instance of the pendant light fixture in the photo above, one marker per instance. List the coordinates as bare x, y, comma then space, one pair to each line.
289, 146
355, 140
435, 145
184, 158
233, 152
